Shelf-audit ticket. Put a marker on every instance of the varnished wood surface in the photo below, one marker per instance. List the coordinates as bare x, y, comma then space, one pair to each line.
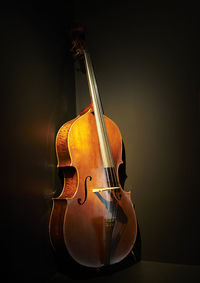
84, 225
56, 224
62, 145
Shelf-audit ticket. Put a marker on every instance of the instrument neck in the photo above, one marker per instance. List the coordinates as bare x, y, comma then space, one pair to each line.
98, 112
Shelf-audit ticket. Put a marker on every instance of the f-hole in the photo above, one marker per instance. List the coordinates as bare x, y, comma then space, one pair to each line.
79, 200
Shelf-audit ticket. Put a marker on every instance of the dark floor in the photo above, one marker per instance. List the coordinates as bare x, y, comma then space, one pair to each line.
143, 271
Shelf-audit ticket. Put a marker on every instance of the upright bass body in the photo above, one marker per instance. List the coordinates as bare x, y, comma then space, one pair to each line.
92, 218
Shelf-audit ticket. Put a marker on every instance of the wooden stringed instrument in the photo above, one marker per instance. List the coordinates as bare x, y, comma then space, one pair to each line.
93, 219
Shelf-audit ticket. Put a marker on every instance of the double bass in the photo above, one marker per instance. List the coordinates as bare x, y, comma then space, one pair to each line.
93, 219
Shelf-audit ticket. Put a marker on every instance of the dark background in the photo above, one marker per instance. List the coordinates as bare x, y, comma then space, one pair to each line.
147, 66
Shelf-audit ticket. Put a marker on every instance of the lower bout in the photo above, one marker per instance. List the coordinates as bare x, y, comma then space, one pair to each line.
56, 224
98, 244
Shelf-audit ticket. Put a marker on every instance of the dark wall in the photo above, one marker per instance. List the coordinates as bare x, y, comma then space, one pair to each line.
37, 97
147, 67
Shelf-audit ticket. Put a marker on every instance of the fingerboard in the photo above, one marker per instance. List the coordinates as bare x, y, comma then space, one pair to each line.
98, 113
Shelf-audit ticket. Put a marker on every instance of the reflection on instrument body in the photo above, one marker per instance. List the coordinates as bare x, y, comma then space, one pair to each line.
93, 218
